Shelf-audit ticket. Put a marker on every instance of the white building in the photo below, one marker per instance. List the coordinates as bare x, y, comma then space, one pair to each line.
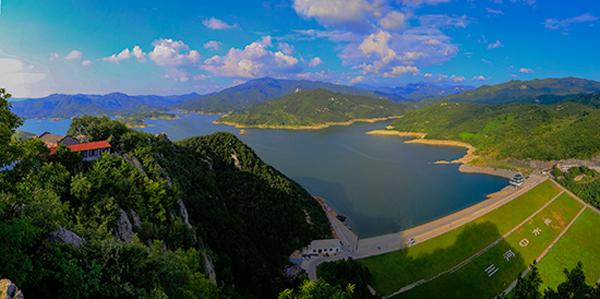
325, 247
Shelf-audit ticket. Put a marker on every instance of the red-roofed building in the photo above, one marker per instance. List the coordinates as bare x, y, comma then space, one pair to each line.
89, 150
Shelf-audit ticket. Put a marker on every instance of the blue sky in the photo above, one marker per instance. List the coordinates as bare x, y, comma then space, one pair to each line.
174, 47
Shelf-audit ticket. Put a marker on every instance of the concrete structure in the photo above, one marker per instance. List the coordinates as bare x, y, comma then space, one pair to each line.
327, 247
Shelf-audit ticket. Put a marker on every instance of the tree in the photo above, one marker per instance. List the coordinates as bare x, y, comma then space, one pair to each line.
528, 286
318, 290
9, 122
344, 272
574, 287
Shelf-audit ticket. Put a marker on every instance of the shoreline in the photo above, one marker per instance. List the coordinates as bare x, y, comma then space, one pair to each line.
464, 161
305, 127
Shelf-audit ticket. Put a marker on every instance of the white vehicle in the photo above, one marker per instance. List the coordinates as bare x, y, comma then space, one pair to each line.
411, 242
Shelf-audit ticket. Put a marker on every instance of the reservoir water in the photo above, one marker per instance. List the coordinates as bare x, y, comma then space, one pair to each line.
381, 184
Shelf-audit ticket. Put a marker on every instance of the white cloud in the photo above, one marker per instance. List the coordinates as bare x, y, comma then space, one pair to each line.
316, 61
393, 20
479, 78
254, 60
217, 24
86, 62
423, 2
495, 45
74, 55
332, 12
213, 45
565, 24
17, 76
440, 21
401, 70
177, 75
494, 11
525, 70
357, 79
172, 53
118, 57
377, 43
54, 56
138, 54
286, 48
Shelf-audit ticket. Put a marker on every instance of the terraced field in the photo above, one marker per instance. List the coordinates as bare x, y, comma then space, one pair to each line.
393, 271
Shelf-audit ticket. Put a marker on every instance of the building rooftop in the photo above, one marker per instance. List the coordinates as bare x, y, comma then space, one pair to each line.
80, 147
49, 138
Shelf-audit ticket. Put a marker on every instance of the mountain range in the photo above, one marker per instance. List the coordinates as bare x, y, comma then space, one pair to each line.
254, 92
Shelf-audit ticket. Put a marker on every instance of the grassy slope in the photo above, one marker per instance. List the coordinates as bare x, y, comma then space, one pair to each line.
472, 282
580, 243
521, 131
394, 270
314, 107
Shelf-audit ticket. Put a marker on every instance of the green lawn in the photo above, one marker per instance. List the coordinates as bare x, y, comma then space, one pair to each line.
580, 243
394, 270
472, 281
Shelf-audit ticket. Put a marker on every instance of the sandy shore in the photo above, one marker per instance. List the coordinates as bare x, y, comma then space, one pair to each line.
397, 133
306, 127
468, 157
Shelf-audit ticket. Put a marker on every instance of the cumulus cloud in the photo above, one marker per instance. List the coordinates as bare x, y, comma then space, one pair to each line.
86, 62
212, 44
334, 12
565, 24
171, 53
286, 48
440, 21
54, 56
525, 70
254, 60
479, 78
315, 62
217, 24
177, 75
401, 70
17, 76
393, 20
495, 45
74, 55
125, 54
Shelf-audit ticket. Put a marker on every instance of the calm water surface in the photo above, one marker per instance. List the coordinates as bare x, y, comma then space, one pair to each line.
381, 184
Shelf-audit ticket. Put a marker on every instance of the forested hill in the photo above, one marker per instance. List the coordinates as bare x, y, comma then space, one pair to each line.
150, 220
314, 108
261, 90
568, 129
67, 106
533, 91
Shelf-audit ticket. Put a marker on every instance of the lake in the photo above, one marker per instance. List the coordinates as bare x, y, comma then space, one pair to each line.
381, 184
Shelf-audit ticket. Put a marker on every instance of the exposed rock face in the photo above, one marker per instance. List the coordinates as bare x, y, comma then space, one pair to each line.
9, 290
66, 236
209, 268
184, 213
236, 161
124, 229
137, 222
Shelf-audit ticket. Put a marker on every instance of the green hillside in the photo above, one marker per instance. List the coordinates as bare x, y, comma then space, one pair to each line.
314, 108
532, 91
150, 220
522, 131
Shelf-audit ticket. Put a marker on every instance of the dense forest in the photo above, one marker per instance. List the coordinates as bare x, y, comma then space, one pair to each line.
582, 181
314, 107
201, 218
568, 129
